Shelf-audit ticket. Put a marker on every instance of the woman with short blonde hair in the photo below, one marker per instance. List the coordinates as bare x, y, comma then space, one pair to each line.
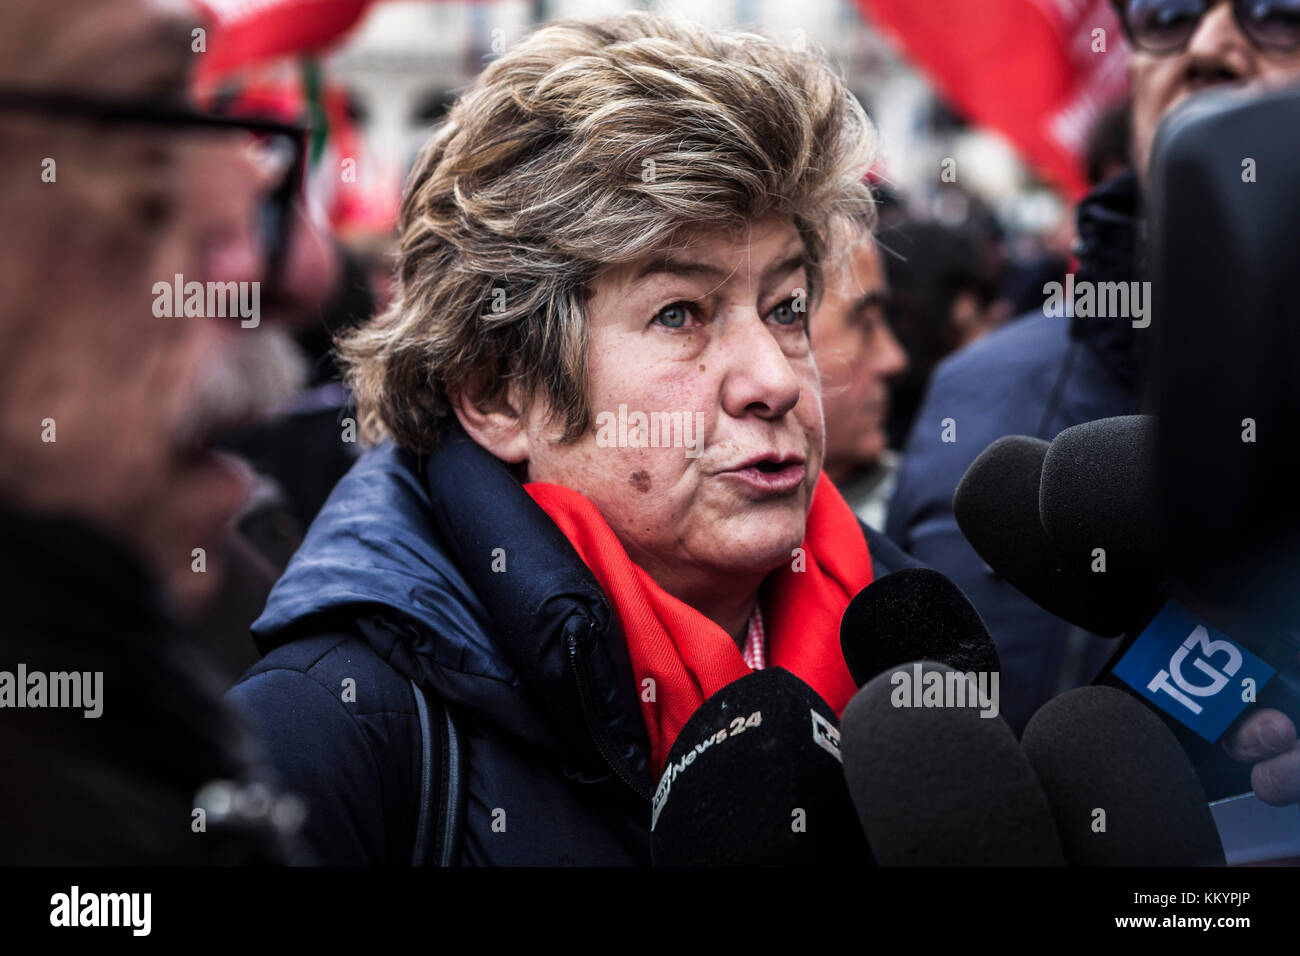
596, 496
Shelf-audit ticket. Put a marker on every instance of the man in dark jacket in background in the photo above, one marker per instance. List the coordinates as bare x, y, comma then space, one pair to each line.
1041, 375
1036, 376
118, 749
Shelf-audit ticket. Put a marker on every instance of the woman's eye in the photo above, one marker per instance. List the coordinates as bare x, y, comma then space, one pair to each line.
785, 313
673, 316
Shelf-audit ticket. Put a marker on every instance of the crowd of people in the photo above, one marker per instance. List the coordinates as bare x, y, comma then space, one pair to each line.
361, 583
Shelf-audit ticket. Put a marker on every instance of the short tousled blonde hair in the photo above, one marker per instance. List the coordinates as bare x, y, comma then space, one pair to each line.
586, 146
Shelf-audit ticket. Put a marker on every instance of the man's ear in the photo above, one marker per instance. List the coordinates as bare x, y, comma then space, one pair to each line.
499, 425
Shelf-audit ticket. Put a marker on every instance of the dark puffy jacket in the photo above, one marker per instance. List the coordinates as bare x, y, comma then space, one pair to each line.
1036, 376
395, 583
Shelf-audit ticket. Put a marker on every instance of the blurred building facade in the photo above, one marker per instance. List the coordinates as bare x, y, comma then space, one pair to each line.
408, 58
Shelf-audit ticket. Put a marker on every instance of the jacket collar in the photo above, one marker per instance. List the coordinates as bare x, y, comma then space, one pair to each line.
540, 596
462, 583
1110, 249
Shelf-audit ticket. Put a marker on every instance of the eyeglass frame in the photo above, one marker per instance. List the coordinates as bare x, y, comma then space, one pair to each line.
1121, 6
66, 104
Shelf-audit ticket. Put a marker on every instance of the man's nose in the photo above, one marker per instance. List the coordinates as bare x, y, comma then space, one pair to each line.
1218, 42
229, 183
893, 358
307, 265
309, 271
232, 255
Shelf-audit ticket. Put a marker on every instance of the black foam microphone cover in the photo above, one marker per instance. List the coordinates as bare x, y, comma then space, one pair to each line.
1098, 490
996, 507
754, 779
916, 614
941, 785
1121, 788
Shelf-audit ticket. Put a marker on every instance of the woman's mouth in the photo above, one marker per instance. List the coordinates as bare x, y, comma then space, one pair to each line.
769, 477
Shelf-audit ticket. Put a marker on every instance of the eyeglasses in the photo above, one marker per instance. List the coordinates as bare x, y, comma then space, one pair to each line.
1167, 26
274, 145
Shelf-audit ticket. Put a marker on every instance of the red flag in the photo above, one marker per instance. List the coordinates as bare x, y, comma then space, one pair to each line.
1032, 70
247, 31
365, 195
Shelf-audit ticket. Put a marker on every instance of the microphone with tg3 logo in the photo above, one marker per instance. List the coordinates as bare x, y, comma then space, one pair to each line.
1098, 502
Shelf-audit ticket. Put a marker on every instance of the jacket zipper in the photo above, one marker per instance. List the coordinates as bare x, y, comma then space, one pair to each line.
599, 732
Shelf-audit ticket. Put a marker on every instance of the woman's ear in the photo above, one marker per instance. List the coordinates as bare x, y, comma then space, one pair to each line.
499, 425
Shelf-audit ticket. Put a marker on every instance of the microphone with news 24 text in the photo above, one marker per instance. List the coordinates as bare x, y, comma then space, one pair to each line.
1071, 524
754, 779
755, 776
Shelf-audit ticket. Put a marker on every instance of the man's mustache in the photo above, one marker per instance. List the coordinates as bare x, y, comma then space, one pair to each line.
249, 382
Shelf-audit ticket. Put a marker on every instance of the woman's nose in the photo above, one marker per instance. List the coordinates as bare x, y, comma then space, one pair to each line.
759, 378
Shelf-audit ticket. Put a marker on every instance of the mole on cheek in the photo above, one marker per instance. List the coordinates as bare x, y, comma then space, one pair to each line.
640, 481
701, 368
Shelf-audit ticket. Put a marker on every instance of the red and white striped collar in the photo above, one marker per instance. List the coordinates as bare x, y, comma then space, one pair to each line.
755, 650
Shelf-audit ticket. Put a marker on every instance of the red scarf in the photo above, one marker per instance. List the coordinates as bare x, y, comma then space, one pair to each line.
688, 656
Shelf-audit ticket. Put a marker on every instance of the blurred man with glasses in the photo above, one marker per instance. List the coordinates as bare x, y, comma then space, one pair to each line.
113, 499
1182, 46
1051, 373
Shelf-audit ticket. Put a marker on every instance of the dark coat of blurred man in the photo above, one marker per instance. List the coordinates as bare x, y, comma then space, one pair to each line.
1041, 375
112, 504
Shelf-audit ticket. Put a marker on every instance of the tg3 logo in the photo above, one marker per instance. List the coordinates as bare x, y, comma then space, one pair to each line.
1192, 672
1174, 681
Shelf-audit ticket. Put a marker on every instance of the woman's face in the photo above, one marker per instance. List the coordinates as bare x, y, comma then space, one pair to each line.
710, 344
